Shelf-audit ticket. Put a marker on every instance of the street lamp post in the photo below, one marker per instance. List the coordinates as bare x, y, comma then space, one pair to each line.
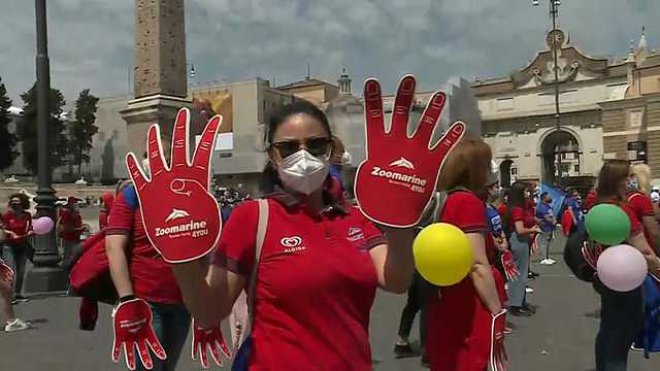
46, 274
555, 45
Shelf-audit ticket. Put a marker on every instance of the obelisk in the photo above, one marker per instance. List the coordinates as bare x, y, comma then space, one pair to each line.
160, 81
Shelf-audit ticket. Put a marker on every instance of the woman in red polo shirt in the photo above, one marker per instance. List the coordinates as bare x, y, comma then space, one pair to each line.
138, 271
459, 321
639, 188
519, 222
320, 265
622, 317
18, 228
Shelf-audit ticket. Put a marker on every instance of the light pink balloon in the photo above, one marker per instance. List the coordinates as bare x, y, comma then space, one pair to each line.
622, 268
42, 225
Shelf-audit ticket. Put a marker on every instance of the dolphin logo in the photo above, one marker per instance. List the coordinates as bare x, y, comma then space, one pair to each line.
177, 214
402, 162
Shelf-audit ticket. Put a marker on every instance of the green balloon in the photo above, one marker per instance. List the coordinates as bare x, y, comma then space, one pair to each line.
608, 224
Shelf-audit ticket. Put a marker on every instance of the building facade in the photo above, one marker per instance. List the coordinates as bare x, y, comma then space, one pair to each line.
595, 95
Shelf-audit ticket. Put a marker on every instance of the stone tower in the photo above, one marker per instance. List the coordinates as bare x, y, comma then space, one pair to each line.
160, 81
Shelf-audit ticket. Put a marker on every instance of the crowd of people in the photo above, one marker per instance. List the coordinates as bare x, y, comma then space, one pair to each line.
309, 307
17, 247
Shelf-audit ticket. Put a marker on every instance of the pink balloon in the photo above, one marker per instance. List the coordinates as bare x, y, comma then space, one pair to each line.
42, 225
622, 268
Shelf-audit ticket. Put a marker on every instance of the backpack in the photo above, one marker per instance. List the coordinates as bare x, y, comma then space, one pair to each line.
581, 254
649, 339
433, 211
89, 271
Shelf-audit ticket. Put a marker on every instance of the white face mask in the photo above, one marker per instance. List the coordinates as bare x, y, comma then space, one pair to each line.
303, 172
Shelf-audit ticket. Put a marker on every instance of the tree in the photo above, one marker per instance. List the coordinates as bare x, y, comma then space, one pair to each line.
7, 139
82, 129
27, 129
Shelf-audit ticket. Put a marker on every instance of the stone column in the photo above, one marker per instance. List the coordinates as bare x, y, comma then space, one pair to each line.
160, 81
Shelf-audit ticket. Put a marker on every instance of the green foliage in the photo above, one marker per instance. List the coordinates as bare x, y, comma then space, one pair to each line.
7, 140
82, 129
27, 130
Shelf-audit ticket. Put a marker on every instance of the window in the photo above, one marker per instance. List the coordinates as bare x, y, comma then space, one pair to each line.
637, 151
514, 171
635, 119
576, 168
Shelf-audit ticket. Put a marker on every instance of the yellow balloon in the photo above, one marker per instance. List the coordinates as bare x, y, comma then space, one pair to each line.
443, 254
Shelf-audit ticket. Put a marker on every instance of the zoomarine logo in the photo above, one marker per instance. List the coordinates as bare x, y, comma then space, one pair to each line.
393, 175
191, 226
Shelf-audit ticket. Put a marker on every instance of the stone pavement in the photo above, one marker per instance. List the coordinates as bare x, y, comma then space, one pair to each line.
559, 338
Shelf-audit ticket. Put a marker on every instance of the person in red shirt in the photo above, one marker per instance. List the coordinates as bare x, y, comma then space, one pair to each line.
106, 205
639, 188
12, 323
319, 267
18, 228
590, 200
622, 316
520, 225
460, 318
137, 270
69, 228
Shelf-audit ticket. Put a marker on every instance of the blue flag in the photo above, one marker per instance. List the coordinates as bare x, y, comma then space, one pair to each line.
557, 196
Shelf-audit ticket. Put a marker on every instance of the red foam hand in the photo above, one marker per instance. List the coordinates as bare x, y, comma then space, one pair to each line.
6, 273
133, 328
209, 338
510, 269
591, 252
498, 356
181, 216
397, 180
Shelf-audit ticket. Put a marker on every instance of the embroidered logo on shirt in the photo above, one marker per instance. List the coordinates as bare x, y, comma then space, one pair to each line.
292, 244
355, 234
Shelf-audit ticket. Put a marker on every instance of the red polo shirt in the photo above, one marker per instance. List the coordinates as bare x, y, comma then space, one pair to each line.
19, 225
315, 285
642, 206
153, 279
458, 336
70, 221
518, 214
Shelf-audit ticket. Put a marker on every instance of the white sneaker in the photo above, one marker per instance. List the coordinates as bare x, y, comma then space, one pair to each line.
529, 290
16, 325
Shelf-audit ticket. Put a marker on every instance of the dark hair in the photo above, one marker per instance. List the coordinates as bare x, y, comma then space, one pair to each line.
610, 177
25, 200
269, 177
516, 199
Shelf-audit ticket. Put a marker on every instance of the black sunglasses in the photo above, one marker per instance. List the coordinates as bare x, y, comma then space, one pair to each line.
315, 146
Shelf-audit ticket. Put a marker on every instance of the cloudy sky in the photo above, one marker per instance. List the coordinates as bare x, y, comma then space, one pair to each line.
91, 41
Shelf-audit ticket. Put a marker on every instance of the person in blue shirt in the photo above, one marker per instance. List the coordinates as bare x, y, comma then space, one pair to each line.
574, 204
548, 222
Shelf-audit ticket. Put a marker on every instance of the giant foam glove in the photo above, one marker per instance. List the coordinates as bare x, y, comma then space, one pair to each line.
591, 252
396, 181
510, 269
6, 273
132, 326
498, 356
208, 338
180, 215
